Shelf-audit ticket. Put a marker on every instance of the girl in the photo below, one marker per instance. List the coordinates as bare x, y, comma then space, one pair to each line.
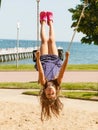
50, 68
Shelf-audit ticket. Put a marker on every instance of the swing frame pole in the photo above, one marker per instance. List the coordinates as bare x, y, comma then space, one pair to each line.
37, 32
37, 22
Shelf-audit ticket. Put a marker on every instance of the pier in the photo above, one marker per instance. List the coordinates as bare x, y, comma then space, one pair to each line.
11, 54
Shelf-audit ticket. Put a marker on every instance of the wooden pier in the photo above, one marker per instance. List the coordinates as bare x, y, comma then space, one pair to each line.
11, 54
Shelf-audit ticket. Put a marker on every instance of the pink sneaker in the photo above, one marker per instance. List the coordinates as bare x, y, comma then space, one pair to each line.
49, 17
43, 16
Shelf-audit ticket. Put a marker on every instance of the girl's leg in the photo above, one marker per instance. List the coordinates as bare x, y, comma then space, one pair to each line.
44, 42
52, 49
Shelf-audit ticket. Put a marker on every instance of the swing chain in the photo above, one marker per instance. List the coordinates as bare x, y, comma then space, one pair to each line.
75, 30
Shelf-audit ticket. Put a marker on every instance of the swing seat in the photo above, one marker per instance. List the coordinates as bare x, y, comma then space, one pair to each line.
34, 55
60, 54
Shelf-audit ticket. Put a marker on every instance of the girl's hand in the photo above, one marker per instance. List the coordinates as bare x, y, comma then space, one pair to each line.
38, 54
67, 54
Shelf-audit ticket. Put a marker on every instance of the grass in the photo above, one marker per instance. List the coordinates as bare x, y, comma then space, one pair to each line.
34, 93
83, 67
81, 95
31, 67
19, 85
80, 86
74, 95
14, 68
65, 86
68, 89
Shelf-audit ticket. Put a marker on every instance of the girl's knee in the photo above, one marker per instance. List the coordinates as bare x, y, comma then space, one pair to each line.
44, 41
51, 41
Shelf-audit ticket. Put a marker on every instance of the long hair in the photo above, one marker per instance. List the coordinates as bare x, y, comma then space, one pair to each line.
50, 106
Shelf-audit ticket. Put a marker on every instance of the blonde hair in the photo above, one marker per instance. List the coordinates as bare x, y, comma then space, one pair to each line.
50, 106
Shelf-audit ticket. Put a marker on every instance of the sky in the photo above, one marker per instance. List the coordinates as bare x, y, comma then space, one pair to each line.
25, 12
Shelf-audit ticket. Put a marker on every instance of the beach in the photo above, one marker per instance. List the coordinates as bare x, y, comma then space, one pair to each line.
22, 112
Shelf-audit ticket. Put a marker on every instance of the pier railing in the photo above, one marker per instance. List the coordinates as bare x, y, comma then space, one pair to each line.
10, 54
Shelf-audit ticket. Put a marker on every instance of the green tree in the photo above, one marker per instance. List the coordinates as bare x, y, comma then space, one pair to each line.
0, 2
89, 22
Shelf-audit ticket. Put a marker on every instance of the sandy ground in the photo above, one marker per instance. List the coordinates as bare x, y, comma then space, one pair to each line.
22, 112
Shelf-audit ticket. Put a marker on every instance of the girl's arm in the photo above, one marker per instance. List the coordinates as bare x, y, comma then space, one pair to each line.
63, 68
40, 69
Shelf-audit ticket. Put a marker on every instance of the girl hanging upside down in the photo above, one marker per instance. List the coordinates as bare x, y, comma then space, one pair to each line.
50, 68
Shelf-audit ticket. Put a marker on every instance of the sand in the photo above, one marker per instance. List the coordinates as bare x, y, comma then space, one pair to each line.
22, 112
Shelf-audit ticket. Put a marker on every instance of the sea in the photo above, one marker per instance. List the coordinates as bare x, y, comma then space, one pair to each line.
80, 53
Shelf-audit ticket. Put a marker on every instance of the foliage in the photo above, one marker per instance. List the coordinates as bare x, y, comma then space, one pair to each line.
89, 22
0, 2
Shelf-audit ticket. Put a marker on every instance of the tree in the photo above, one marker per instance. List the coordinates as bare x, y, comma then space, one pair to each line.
0, 2
89, 22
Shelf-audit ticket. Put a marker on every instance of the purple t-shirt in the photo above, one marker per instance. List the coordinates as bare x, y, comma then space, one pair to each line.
51, 65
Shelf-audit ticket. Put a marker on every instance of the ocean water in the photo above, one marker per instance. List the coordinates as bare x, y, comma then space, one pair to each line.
79, 53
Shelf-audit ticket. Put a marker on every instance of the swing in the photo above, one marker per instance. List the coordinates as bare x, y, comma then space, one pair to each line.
60, 50
75, 30
34, 55
60, 54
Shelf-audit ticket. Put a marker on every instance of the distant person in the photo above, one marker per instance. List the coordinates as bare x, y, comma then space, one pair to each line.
50, 68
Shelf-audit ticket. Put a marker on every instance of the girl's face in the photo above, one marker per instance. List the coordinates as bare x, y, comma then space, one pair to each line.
50, 91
